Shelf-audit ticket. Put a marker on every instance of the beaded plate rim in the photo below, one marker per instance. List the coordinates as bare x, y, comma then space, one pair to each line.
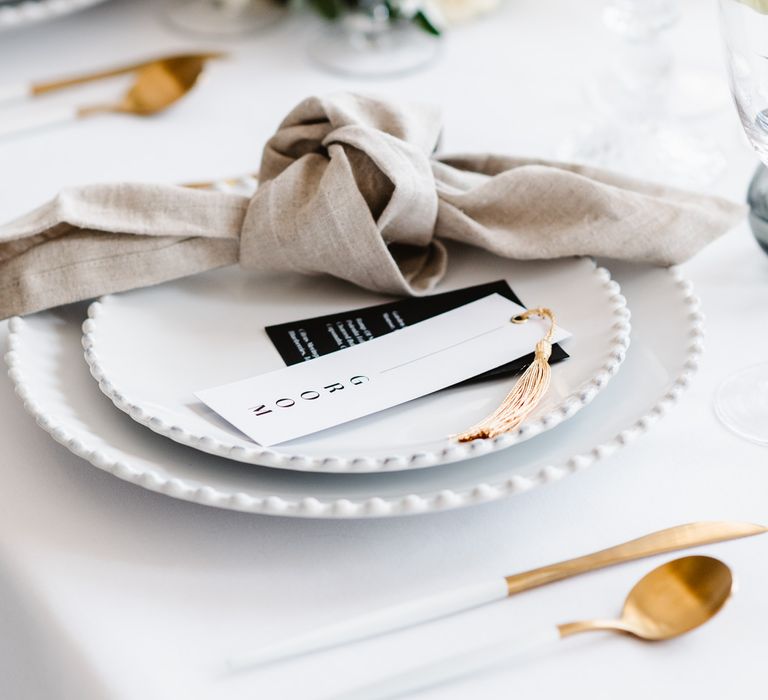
450, 452
372, 506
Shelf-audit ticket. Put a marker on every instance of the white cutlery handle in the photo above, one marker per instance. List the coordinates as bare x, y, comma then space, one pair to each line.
11, 124
378, 622
453, 667
14, 91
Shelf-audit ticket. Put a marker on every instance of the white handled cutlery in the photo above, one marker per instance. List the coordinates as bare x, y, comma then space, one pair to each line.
454, 601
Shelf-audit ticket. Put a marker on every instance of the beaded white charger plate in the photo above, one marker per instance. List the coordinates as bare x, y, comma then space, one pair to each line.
18, 13
150, 349
46, 366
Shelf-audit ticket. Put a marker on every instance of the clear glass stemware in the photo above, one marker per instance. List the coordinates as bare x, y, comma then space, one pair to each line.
634, 130
741, 401
369, 41
744, 25
223, 18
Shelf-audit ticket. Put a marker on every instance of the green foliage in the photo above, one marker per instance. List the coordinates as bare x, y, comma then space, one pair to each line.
424, 22
330, 9
334, 9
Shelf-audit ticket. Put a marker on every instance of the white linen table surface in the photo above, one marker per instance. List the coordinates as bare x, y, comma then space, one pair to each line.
110, 591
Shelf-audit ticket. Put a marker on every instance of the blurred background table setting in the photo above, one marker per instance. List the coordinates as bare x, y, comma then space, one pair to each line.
198, 192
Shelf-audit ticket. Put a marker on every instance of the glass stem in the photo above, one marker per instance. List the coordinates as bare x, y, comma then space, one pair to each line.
369, 24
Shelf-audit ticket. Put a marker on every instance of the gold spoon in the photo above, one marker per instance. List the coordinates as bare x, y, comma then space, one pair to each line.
157, 85
673, 599
177, 62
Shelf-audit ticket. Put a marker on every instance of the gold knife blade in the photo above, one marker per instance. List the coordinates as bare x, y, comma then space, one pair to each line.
669, 540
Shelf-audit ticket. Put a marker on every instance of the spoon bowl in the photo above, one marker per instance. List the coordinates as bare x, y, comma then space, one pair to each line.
677, 597
673, 599
157, 86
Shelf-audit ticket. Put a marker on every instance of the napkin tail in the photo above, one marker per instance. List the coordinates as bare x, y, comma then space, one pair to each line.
533, 209
100, 239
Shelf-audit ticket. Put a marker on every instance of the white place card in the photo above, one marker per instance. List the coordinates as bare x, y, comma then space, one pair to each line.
380, 373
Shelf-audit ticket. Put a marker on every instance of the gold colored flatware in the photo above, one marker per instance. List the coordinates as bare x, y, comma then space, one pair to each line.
178, 64
673, 599
661, 542
157, 86
245, 181
450, 602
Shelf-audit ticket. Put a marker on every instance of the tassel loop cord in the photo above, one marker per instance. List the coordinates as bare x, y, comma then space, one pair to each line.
541, 312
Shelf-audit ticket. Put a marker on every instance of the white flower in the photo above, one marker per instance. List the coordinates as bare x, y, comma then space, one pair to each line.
460, 11
759, 5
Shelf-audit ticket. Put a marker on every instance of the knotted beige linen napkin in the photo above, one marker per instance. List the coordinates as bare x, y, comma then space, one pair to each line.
350, 186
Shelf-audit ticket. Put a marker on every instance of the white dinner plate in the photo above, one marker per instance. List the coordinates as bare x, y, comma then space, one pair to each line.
14, 14
46, 366
150, 349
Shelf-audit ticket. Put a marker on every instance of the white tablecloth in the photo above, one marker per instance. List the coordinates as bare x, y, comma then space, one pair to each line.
110, 591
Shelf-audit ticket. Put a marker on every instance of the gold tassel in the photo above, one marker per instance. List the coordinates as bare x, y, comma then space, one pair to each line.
526, 393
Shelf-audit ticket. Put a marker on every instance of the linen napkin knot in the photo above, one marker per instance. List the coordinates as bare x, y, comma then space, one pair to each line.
346, 187
350, 186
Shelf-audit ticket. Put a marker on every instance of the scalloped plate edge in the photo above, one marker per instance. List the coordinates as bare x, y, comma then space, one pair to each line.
363, 464
374, 506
